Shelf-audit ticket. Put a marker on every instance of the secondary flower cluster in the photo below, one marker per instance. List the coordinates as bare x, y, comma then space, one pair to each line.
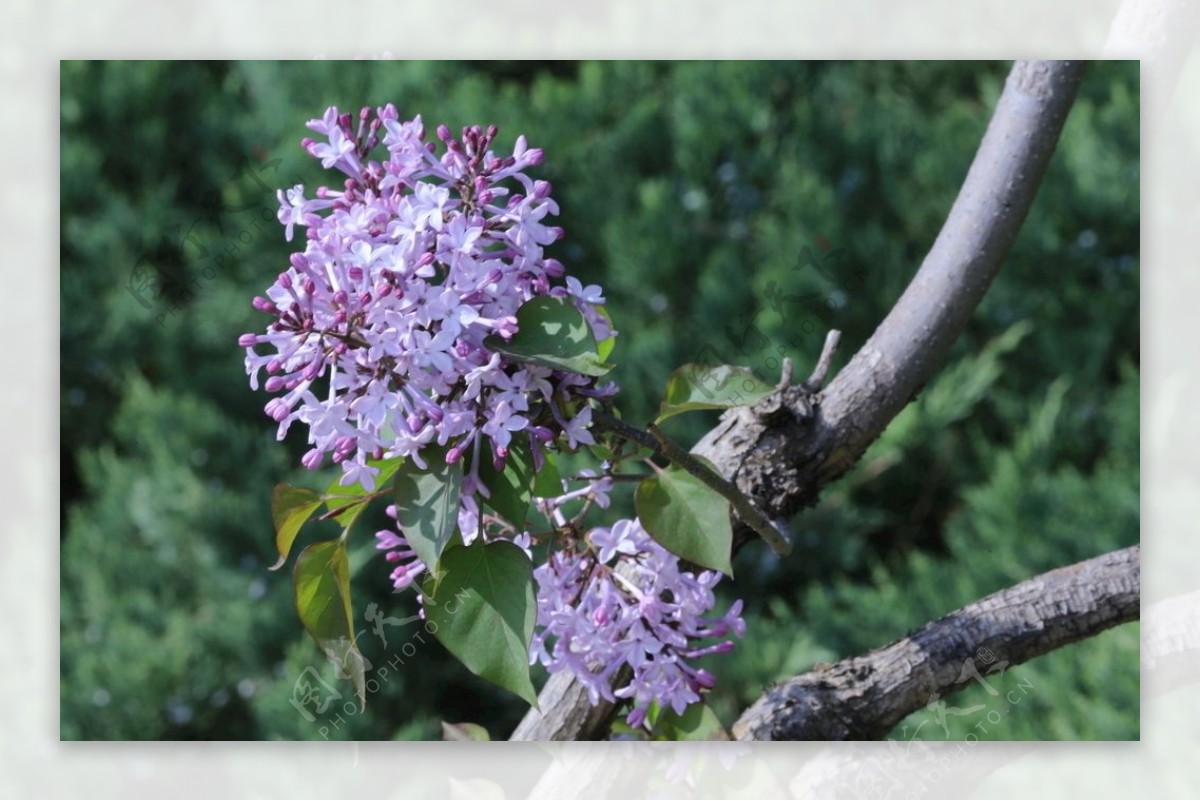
622, 600
406, 271
616, 598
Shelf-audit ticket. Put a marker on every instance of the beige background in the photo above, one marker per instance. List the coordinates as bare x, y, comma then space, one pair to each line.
36, 35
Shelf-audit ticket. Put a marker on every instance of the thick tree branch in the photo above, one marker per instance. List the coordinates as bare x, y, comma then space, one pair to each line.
566, 712
783, 462
864, 697
782, 452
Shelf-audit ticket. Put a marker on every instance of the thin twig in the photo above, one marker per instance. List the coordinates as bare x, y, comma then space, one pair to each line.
785, 375
660, 444
819, 372
745, 508
614, 477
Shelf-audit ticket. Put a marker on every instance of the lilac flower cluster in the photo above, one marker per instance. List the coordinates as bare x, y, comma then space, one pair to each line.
379, 344
594, 618
612, 599
409, 566
406, 271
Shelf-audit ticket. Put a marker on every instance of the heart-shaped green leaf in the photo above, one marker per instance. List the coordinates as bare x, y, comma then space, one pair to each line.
347, 503
687, 517
605, 347
697, 386
464, 732
547, 482
698, 722
427, 503
322, 583
551, 332
291, 507
511, 488
483, 610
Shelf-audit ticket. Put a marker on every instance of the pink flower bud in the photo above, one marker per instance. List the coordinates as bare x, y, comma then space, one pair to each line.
637, 717
277, 410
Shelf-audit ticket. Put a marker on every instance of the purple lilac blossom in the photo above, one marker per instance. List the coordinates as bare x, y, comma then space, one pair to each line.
593, 619
377, 343
378, 347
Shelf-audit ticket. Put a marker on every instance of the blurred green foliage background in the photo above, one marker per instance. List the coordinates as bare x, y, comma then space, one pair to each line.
689, 191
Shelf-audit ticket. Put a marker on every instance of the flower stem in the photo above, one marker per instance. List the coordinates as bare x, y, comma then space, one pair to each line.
658, 442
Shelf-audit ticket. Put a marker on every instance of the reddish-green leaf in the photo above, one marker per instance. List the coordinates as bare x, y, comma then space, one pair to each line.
291, 507
322, 582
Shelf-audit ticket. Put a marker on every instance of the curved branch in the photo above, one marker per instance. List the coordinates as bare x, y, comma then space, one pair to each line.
782, 453
864, 697
784, 462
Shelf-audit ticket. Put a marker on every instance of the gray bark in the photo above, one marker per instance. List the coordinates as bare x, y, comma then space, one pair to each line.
864, 697
784, 460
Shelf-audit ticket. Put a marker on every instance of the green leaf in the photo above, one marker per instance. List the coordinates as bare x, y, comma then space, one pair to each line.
513, 489
552, 333
698, 722
605, 347
427, 504
322, 582
483, 609
509, 488
687, 518
547, 482
349, 502
290, 509
697, 386
464, 732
